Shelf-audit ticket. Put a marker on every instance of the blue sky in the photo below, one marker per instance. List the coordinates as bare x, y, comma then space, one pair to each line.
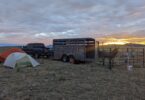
23, 21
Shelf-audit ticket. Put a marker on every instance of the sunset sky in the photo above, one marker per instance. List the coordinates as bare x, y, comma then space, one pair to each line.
110, 21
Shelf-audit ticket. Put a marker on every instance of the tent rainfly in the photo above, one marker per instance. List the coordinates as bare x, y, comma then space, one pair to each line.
6, 53
18, 59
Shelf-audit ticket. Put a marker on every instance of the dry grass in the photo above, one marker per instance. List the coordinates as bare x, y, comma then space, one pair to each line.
54, 80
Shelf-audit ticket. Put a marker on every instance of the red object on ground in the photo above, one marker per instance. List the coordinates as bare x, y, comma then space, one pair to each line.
6, 53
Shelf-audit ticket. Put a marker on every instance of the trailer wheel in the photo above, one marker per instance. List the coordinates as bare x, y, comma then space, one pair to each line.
64, 58
72, 60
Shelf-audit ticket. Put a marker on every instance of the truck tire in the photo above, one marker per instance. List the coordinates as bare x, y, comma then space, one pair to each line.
64, 58
72, 60
48, 56
37, 56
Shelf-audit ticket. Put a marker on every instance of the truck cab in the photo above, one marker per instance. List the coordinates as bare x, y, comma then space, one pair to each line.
37, 50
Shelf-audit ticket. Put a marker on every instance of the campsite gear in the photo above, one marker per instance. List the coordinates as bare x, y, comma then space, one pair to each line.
129, 67
6, 53
20, 60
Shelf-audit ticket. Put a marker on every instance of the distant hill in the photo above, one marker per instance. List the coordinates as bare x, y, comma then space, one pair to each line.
8, 45
126, 45
135, 45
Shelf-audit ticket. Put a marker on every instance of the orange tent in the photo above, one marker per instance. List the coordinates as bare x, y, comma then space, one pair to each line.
6, 53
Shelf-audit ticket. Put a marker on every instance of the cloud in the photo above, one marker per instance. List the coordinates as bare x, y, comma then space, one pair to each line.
32, 20
65, 34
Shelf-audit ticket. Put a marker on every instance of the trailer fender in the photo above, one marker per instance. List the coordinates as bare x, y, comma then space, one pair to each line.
72, 59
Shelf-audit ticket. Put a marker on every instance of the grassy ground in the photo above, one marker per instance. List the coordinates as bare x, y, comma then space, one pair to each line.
54, 80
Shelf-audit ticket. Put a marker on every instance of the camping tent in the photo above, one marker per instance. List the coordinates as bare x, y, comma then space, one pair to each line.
18, 59
6, 53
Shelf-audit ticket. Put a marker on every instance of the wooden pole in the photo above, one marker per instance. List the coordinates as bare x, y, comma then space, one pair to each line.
133, 56
128, 62
97, 48
110, 61
143, 57
102, 46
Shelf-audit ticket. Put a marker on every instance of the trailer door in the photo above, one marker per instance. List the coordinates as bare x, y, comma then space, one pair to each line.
90, 51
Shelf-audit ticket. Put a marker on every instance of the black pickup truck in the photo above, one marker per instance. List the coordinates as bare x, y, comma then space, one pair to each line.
37, 50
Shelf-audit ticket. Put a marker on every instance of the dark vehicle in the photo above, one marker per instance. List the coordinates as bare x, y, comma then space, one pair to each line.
37, 50
72, 50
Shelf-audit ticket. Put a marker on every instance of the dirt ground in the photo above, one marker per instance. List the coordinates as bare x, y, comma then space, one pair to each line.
55, 80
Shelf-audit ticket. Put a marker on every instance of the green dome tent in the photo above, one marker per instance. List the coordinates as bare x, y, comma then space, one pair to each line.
18, 59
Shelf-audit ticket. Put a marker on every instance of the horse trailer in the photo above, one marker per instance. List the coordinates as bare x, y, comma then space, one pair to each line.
75, 49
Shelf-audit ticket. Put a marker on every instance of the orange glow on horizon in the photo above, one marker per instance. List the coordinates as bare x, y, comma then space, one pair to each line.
116, 41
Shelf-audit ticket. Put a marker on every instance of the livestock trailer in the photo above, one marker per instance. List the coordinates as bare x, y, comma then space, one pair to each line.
75, 49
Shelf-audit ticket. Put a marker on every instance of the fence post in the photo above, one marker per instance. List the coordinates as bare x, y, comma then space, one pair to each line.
133, 56
110, 61
97, 47
143, 57
110, 50
127, 57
